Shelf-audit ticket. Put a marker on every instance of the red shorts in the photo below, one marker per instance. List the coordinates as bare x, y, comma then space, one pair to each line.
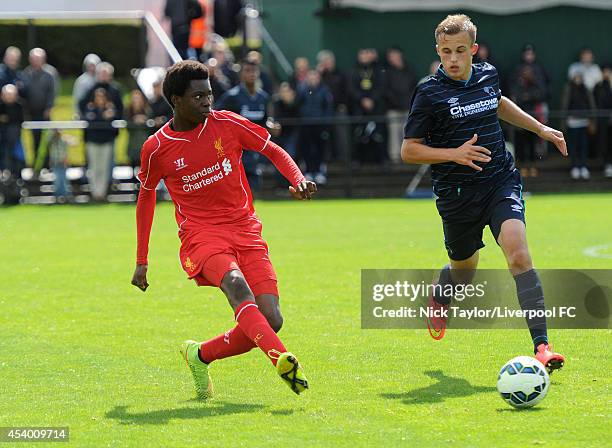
208, 255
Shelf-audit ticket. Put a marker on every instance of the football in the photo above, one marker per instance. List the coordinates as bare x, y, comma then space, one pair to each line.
523, 382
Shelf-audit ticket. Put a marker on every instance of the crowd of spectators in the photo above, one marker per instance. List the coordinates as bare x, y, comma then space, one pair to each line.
307, 114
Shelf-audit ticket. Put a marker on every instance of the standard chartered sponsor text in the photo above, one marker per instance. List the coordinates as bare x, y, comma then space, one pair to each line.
206, 176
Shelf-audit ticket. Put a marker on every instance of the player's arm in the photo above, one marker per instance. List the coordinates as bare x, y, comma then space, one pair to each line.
251, 135
415, 151
300, 188
149, 177
145, 210
421, 121
511, 113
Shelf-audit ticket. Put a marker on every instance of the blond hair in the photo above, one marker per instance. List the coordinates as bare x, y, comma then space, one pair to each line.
454, 24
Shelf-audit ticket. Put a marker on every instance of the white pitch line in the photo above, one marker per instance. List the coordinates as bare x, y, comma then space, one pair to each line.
594, 251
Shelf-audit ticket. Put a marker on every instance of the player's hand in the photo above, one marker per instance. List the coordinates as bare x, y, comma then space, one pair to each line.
468, 153
303, 190
139, 279
555, 137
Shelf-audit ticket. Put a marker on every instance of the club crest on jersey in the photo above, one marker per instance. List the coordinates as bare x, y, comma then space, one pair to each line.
219, 148
189, 265
489, 90
180, 163
453, 100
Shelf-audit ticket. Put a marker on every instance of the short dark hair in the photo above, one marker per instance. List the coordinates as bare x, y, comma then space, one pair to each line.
179, 76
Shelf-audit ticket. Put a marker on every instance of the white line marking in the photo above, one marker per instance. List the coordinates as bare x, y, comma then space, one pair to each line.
595, 251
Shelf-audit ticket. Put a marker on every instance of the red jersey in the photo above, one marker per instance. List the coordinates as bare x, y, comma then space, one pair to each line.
202, 169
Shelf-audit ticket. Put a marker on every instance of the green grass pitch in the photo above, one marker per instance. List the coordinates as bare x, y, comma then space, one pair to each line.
81, 347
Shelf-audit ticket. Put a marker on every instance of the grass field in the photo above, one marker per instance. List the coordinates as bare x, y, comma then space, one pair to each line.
80, 347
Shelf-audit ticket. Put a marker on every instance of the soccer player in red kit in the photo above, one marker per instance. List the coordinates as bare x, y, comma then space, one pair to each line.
198, 154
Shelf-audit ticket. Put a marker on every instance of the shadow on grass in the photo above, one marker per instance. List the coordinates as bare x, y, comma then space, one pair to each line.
163, 416
446, 387
513, 410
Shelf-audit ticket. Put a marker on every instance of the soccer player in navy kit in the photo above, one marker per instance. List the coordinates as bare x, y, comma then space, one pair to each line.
453, 125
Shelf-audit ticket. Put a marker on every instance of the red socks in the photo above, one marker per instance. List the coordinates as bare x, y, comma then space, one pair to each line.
257, 328
252, 329
231, 343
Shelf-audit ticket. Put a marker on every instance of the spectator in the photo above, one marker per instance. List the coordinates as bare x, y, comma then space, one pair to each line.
85, 81
603, 101
137, 114
300, 70
264, 73
40, 99
57, 146
104, 80
286, 108
334, 79
181, 13
540, 76
252, 103
484, 54
286, 114
198, 32
528, 93
225, 67
315, 102
99, 141
11, 117
337, 82
578, 104
227, 17
218, 81
160, 109
586, 67
433, 68
367, 100
9, 70
400, 85
57, 82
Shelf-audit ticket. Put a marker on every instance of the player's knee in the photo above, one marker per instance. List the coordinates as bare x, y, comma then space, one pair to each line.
275, 321
519, 260
234, 285
274, 318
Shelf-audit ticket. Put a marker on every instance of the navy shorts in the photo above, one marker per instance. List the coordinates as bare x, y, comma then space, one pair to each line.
467, 210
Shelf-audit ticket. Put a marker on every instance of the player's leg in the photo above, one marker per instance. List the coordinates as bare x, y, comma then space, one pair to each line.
463, 227
513, 241
259, 273
256, 327
269, 306
234, 341
507, 225
454, 273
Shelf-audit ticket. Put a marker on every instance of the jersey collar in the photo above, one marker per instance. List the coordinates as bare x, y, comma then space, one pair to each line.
187, 136
443, 75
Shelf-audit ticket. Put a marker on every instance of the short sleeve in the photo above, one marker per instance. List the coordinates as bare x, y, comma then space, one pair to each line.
150, 171
421, 118
250, 135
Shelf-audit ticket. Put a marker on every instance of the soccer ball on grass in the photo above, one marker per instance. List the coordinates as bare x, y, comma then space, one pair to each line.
523, 382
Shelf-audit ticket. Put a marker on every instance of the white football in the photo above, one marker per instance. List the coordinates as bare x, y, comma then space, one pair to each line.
523, 382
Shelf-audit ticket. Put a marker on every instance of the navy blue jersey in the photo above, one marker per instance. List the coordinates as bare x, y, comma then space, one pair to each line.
447, 113
251, 107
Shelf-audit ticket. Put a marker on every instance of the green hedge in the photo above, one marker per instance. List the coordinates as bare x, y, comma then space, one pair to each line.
66, 46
